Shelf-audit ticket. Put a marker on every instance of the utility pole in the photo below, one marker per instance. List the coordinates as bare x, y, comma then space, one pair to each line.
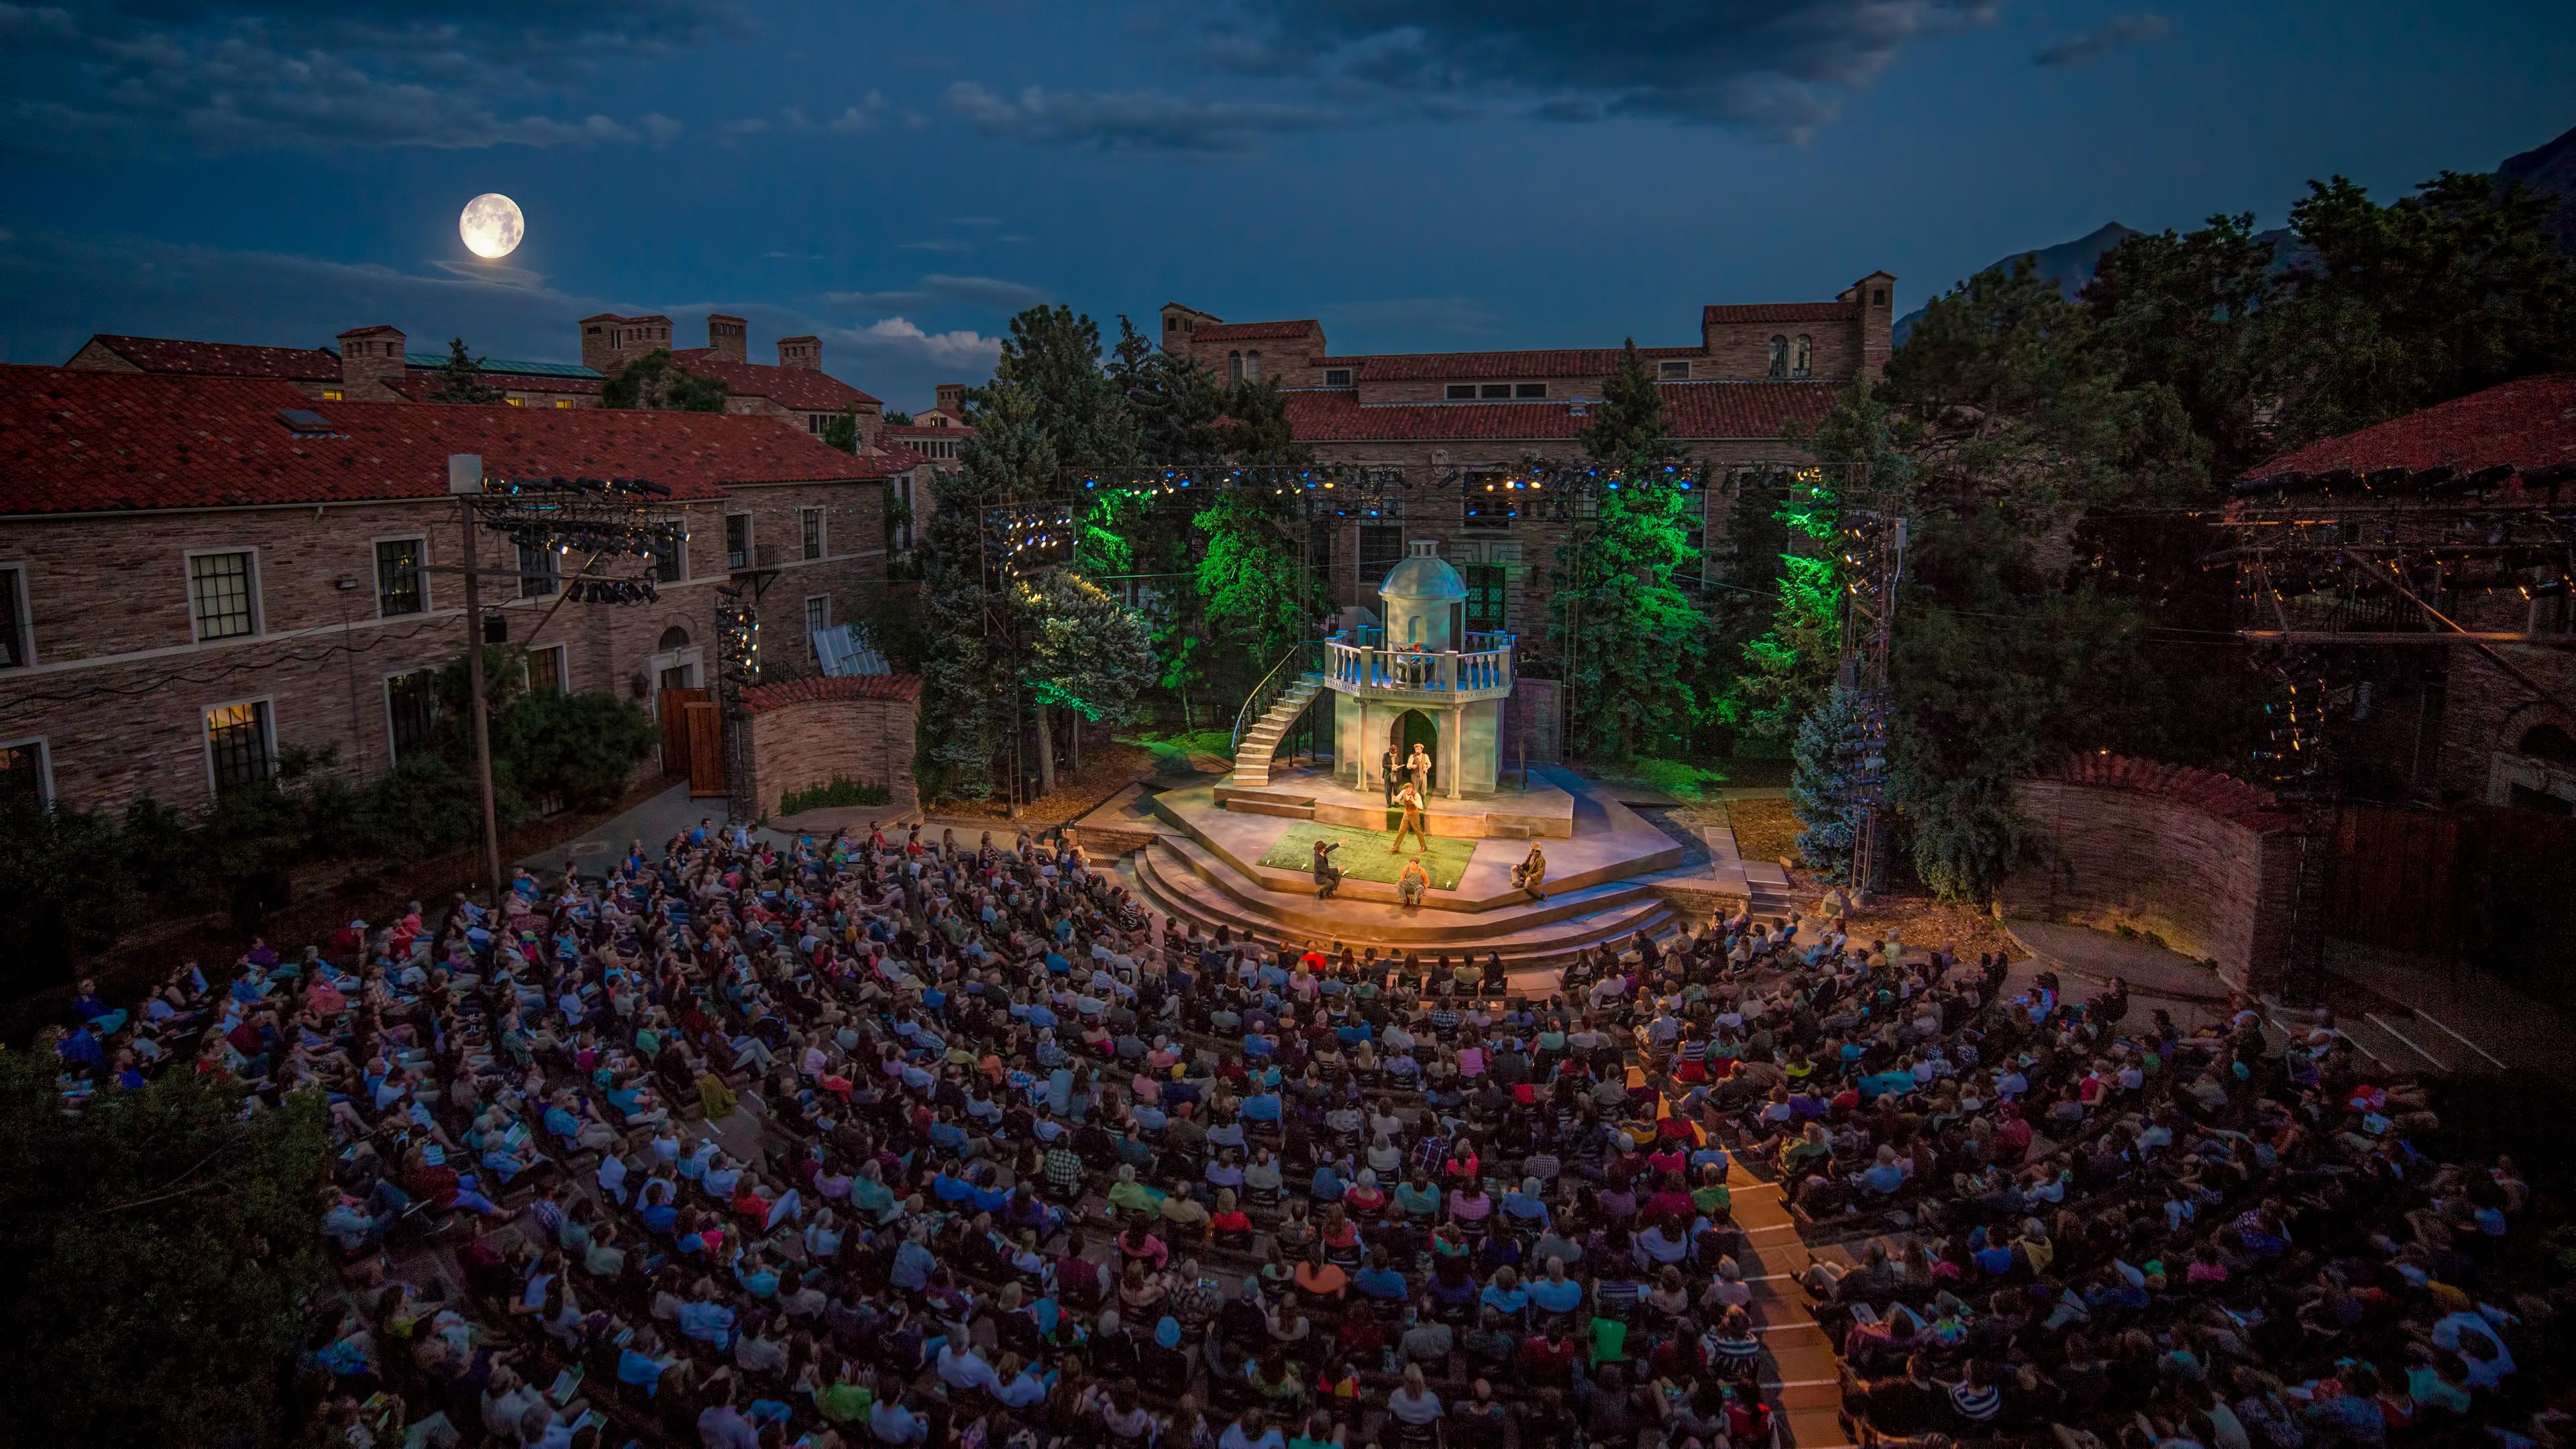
465, 482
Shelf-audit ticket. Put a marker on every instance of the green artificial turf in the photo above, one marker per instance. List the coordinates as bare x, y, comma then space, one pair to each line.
1364, 855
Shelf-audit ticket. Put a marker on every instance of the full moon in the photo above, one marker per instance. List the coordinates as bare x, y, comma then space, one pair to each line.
491, 225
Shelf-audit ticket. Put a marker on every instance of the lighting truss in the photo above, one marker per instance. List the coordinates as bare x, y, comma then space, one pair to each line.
1021, 539
603, 517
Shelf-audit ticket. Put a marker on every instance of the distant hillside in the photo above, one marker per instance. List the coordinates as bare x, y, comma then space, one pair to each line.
2549, 170
2068, 264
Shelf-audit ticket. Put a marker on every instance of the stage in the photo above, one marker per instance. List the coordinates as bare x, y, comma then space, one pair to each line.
1545, 811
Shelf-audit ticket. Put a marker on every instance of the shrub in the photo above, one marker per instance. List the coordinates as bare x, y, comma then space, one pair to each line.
842, 792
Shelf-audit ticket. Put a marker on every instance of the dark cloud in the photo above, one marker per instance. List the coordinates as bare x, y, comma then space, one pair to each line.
208, 75
1129, 120
1455, 318
941, 290
2114, 34
1777, 67
64, 288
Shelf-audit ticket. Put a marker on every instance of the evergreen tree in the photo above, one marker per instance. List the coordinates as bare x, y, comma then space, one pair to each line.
1088, 654
1632, 640
971, 705
1257, 601
656, 383
1053, 356
1823, 783
1174, 402
460, 378
841, 429
1255, 430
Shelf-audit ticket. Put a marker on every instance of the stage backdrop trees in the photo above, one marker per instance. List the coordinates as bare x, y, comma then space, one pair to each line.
1823, 784
970, 709
1631, 640
1087, 654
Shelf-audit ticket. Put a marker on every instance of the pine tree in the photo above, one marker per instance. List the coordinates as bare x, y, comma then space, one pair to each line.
972, 706
1826, 765
1053, 355
460, 378
1632, 639
654, 382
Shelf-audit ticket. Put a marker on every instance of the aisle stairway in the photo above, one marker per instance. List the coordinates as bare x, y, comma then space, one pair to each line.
1253, 753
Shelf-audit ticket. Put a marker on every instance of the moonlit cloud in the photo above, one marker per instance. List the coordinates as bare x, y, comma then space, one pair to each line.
2117, 33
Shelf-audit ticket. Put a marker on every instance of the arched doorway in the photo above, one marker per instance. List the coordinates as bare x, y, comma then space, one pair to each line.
2549, 742
1411, 728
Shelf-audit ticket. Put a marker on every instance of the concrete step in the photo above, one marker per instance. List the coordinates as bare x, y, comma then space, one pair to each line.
2424, 1047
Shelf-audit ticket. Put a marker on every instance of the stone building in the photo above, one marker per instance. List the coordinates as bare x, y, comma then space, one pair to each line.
1756, 373
198, 572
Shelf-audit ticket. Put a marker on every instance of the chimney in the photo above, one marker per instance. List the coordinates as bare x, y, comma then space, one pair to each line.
952, 399
609, 342
804, 352
727, 337
371, 358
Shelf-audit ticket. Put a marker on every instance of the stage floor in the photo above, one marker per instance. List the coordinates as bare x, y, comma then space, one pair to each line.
1544, 811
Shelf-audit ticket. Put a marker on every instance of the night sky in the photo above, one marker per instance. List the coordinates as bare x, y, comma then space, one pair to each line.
1422, 174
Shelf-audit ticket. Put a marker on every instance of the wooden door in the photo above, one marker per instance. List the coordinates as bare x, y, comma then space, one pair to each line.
673, 707
706, 749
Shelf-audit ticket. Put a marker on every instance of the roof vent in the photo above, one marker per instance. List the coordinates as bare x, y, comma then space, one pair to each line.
305, 423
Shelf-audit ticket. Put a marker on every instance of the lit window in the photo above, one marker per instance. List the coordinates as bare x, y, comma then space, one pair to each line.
517, 401
331, 394
563, 402
398, 577
222, 595
238, 744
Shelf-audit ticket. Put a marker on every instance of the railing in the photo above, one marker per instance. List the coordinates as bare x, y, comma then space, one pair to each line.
1364, 666
1275, 685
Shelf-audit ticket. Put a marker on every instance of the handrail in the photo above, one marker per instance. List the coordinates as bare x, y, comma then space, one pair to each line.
1270, 689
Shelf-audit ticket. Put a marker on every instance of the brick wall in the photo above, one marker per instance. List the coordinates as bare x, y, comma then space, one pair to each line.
120, 683
2199, 859
811, 732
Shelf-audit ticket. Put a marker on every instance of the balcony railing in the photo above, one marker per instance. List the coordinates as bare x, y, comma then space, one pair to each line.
1358, 661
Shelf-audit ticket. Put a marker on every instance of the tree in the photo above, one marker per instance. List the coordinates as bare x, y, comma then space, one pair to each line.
1255, 430
1258, 601
841, 429
1824, 783
65, 890
1790, 665
2185, 312
971, 709
156, 1251
2437, 295
657, 383
1087, 654
1174, 403
1631, 639
1052, 356
460, 378
898, 419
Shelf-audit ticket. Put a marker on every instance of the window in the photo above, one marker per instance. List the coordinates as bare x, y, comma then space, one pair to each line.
737, 540
1319, 548
1381, 549
17, 643
1252, 367
1779, 357
1234, 367
1804, 358
547, 673
398, 577
238, 748
332, 394
671, 558
1489, 503
25, 773
563, 402
814, 422
540, 571
411, 709
1529, 389
223, 595
515, 400
1488, 599
818, 617
1878, 296
1462, 392
1337, 377
1672, 371
1496, 390
809, 527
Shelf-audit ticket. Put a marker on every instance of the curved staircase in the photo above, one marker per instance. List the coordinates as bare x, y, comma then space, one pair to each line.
1260, 741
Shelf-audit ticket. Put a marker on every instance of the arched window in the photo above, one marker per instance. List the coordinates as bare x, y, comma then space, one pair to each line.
674, 637
1779, 357
2549, 742
1804, 360
1234, 367
1252, 367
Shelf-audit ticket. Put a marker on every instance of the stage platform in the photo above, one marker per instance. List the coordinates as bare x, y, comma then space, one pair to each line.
1614, 875
1544, 811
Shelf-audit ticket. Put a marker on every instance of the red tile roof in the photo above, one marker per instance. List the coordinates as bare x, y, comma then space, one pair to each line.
1257, 331
2530, 423
1698, 410
1545, 362
2224, 796
1716, 313
803, 388
223, 359
79, 441
762, 698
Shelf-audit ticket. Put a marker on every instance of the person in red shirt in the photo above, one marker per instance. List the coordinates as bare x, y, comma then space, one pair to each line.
1547, 1359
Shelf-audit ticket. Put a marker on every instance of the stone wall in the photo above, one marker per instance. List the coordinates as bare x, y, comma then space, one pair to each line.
809, 732
2205, 861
